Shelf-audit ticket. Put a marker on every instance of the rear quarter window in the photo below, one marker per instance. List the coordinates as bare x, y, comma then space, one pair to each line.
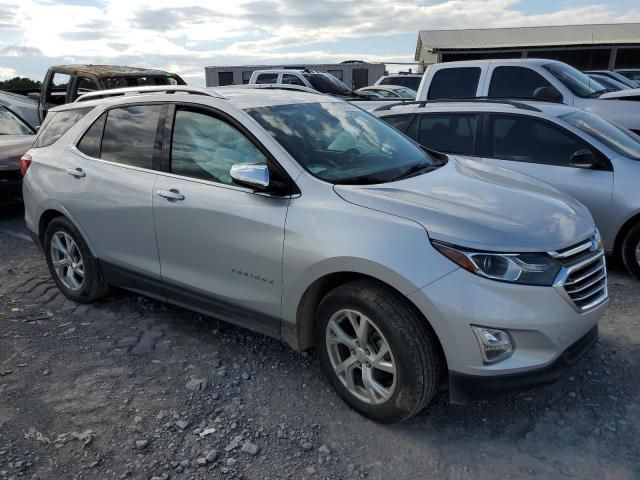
57, 124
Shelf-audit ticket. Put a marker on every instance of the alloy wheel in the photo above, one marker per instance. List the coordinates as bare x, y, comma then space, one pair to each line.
67, 261
361, 356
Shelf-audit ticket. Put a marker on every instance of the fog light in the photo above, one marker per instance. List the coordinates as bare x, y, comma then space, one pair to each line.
495, 345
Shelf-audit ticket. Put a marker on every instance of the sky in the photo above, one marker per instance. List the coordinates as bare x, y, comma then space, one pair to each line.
184, 36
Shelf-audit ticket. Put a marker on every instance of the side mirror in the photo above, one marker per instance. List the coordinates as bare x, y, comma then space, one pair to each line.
253, 176
583, 159
547, 94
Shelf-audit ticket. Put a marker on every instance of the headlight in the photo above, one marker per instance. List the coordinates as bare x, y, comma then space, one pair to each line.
523, 268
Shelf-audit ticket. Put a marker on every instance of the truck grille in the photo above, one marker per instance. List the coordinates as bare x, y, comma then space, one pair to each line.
583, 278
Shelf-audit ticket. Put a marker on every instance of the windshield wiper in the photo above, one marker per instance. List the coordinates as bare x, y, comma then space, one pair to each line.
412, 170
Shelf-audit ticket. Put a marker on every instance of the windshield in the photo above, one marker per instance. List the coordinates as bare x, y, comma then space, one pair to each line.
140, 81
11, 124
327, 84
340, 143
620, 140
576, 81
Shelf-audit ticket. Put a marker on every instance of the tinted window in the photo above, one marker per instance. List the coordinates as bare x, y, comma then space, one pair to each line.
454, 83
523, 139
448, 133
516, 82
326, 83
57, 124
339, 143
289, 79
90, 142
12, 125
206, 147
130, 134
336, 73
267, 78
399, 122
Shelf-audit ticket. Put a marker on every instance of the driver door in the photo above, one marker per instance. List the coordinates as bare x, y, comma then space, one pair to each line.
543, 150
220, 244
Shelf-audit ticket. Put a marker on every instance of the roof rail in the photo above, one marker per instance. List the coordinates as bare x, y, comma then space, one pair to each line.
114, 92
279, 86
421, 103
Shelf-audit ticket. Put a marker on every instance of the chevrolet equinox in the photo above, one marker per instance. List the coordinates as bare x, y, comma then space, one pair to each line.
305, 218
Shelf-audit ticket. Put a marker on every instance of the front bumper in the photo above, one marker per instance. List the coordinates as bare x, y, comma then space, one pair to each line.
542, 323
463, 388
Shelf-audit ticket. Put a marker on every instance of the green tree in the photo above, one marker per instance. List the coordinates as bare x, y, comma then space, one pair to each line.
20, 83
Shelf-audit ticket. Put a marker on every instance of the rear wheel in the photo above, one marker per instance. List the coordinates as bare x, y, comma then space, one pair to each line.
378, 353
74, 270
631, 251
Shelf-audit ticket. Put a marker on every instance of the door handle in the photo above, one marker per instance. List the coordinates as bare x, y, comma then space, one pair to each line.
172, 194
76, 172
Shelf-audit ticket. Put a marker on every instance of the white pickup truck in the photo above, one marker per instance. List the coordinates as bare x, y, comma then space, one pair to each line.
530, 78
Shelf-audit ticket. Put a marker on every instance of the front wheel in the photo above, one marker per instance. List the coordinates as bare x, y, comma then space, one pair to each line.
631, 251
379, 354
74, 270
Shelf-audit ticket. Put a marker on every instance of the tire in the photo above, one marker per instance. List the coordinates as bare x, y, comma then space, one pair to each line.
84, 288
412, 367
630, 251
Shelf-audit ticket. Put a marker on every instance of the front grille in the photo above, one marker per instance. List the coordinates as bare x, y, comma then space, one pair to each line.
583, 278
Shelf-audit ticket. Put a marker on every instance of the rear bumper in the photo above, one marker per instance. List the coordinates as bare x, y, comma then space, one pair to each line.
463, 388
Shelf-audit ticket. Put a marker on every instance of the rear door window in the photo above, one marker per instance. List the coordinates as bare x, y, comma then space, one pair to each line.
516, 82
57, 124
129, 136
84, 85
454, 83
449, 133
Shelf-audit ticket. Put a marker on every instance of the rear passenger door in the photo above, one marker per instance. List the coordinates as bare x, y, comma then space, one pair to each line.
453, 133
108, 188
543, 149
454, 82
220, 243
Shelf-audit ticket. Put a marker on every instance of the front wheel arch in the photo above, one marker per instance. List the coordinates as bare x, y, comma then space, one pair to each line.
313, 295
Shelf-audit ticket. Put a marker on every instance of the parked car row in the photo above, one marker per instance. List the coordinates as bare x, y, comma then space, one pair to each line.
315, 222
577, 152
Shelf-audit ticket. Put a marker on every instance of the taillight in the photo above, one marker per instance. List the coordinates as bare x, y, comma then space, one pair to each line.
25, 163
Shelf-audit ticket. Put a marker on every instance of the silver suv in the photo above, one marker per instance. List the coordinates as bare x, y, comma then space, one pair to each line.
303, 217
578, 152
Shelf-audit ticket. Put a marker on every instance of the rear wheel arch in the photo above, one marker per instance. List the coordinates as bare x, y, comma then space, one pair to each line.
52, 213
313, 295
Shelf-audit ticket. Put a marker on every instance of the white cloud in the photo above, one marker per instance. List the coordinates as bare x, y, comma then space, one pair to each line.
186, 35
7, 73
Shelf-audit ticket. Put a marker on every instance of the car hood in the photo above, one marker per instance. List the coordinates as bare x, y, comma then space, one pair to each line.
629, 94
478, 206
12, 147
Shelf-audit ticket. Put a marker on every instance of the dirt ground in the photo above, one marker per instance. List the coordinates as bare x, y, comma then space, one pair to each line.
117, 390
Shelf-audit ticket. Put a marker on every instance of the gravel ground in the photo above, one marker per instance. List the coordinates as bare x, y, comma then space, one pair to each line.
133, 388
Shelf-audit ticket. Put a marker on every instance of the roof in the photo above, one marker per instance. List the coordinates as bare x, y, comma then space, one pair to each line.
240, 97
475, 39
105, 71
